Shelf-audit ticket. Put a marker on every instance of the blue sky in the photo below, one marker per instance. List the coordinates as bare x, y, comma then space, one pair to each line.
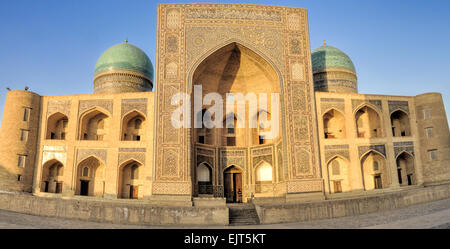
398, 47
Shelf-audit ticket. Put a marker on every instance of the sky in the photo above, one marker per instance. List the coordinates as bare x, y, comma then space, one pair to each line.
398, 47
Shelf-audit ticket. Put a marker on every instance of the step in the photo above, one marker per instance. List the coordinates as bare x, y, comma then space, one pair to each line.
242, 214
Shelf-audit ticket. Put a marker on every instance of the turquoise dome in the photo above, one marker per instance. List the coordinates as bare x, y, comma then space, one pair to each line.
325, 57
126, 57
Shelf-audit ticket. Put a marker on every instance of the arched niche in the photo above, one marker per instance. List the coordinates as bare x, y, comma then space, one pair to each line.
374, 170
334, 125
130, 180
405, 169
264, 178
52, 177
57, 126
263, 128
94, 125
368, 123
90, 177
204, 179
400, 124
133, 126
338, 175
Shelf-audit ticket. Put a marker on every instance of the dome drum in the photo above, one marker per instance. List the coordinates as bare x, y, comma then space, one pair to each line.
333, 71
123, 68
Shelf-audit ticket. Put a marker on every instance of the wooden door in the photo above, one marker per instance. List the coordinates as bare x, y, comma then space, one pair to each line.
378, 184
134, 192
84, 189
337, 187
238, 187
228, 186
58, 187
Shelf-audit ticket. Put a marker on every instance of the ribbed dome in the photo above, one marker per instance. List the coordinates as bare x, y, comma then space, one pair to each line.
326, 57
125, 56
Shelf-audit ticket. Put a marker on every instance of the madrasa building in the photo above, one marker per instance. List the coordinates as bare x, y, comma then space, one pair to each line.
118, 143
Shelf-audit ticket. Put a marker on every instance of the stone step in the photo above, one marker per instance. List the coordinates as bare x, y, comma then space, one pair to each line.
243, 215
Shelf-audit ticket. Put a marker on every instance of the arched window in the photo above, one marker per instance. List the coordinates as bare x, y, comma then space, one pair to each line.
86, 171
335, 168
135, 172
137, 123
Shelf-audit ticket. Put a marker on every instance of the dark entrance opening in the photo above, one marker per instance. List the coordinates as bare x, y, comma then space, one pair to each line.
377, 180
58, 187
46, 186
84, 189
233, 184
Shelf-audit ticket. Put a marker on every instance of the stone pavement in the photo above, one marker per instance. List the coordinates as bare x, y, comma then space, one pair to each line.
429, 215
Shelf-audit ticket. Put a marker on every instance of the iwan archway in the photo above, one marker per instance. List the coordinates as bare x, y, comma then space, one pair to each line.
239, 70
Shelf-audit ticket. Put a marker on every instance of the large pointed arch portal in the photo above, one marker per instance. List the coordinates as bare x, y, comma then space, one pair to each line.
254, 48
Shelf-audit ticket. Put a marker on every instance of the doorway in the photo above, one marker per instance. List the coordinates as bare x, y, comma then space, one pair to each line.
58, 187
378, 184
233, 184
133, 192
84, 188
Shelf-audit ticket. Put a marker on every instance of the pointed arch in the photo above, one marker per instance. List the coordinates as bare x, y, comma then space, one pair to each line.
93, 124
52, 176
334, 124
93, 183
406, 171
130, 179
57, 126
400, 123
133, 126
374, 170
338, 174
368, 121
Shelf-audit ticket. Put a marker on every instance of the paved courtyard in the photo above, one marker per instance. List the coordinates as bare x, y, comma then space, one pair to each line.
429, 215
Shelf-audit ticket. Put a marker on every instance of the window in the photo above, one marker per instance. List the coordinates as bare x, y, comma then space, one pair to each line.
433, 155
21, 161
138, 138
230, 130
335, 168
231, 141
26, 113
24, 135
134, 172
261, 139
375, 166
201, 139
86, 171
19, 178
429, 132
137, 124
426, 114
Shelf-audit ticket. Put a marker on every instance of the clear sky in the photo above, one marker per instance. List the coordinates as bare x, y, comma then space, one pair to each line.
398, 47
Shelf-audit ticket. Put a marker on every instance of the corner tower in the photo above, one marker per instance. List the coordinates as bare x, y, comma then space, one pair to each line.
123, 68
333, 70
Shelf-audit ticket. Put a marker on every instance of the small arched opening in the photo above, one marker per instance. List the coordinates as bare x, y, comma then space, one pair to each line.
333, 125
52, 177
94, 125
133, 127
400, 124
57, 126
368, 123
405, 169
